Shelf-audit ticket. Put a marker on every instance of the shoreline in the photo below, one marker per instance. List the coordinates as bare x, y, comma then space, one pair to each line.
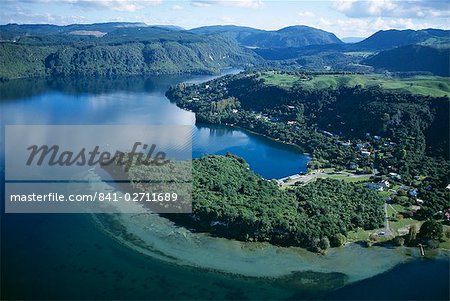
157, 237
237, 127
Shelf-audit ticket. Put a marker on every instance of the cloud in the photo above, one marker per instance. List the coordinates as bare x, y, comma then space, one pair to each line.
306, 14
117, 5
23, 16
363, 27
237, 3
393, 8
325, 22
177, 7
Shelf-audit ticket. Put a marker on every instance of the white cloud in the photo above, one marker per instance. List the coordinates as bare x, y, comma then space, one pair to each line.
23, 16
393, 8
177, 7
238, 3
117, 5
306, 14
325, 22
363, 27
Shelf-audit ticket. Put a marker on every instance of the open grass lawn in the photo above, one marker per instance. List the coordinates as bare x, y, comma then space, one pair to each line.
403, 223
424, 85
359, 235
284, 80
347, 178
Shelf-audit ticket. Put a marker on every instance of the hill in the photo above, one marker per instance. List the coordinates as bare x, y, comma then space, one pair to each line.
340, 121
387, 39
413, 58
112, 49
230, 200
14, 32
237, 33
293, 36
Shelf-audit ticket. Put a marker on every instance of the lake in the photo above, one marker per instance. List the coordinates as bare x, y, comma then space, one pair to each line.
67, 256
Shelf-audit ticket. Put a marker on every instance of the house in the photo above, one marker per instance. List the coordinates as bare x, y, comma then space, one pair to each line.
375, 186
365, 153
346, 143
413, 192
386, 184
447, 215
352, 166
218, 223
395, 176
419, 201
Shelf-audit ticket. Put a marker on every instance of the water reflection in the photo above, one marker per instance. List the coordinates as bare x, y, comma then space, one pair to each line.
138, 100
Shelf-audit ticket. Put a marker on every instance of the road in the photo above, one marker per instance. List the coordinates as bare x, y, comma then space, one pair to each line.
387, 229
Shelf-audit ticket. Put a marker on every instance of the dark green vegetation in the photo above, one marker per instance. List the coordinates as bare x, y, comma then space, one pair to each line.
293, 36
343, 124
117, 50
229, 200
107, 49
388, 39
413, 58
409, 57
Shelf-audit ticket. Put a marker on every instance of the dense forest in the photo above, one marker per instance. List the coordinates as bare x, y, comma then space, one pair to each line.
123, 51
413, 58
292, 36
230, 200
395, 132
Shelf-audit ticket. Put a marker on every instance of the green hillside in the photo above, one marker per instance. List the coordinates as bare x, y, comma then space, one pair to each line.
423, 85
413, 58
122, 51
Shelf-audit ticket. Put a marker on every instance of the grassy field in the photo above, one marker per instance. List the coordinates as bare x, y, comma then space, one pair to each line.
359, 235
424, 85
402, 223
347, 178
283, 80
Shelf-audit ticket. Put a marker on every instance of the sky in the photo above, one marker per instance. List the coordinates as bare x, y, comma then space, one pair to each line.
349, 18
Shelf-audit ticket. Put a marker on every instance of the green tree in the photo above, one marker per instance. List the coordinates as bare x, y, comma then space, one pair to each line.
324, 243
411, 234
337, 240
431, 229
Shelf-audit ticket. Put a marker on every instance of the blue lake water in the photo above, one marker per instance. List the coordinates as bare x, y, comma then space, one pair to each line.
64, 256
142, 101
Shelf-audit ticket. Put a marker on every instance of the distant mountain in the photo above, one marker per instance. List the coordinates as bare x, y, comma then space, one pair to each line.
16, 31
383, 40
352, 39
114, 49
234, 32
293, 36
170, 27
413, 58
